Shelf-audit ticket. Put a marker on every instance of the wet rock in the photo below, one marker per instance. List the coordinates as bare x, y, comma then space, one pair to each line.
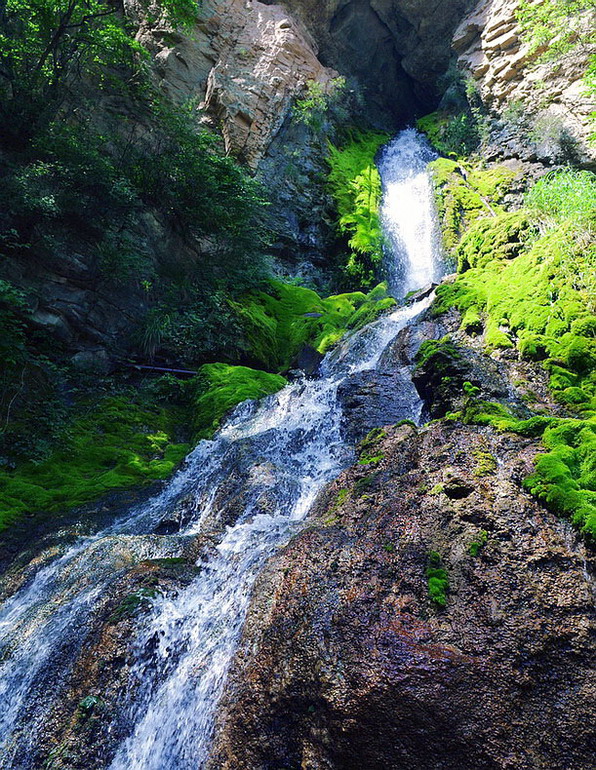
308, 360
93, 361
417, 296
375, 398
457, 488
346, 662
443, 367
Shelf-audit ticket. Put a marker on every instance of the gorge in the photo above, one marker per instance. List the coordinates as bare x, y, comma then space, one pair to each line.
298, 456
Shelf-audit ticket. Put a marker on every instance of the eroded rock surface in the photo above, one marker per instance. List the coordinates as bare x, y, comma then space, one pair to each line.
245, 62
512, 78
394, 49
347, 663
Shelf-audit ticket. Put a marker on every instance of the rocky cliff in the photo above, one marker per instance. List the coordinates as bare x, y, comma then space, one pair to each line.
545, 100
243, 64
352, 657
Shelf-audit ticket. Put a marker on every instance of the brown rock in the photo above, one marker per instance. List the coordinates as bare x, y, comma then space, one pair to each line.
346, 662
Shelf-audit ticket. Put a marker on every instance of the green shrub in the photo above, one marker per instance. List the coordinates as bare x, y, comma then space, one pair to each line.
477, 545
564, 193
451, 134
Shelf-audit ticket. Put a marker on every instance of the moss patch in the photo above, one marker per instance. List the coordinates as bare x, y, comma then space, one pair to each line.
281, 321
222, 387
437, 579
465, 192
115, 444
528, 282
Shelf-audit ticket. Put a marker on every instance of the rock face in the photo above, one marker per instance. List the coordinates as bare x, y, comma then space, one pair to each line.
347, 663
244, 64
510, 78
394, 49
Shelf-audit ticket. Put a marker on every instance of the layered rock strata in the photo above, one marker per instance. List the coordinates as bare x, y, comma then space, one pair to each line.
243, 64
513, 79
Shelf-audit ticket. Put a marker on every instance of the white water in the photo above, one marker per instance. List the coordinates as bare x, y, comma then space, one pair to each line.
407, 214
279, 454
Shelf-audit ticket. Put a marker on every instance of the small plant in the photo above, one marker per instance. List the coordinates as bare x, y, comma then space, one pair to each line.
372, 438
88, 706
370, 459
477, 545
311, 109
341, 498
438, 581
363, 484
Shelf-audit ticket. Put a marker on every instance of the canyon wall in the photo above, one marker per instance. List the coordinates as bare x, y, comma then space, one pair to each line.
545, 103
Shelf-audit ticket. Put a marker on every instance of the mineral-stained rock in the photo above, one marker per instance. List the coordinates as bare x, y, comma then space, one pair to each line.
347, 663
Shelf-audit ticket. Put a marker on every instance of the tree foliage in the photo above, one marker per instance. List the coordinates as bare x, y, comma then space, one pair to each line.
48, 46
355, 184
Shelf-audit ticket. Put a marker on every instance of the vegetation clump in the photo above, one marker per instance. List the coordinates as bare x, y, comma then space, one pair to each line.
486, 463
437, 579
114, 444
527, 282
355, 184
465, 192
220, 387
478, 544
281, 319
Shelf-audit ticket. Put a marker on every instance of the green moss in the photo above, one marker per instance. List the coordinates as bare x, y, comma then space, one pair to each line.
471, 321
116, 444
437, 579
279, 322
537, 293
466, 192
486, 463
133, 604
222, 387
367, 459
439, 354
501, 237
363, 484
372, 439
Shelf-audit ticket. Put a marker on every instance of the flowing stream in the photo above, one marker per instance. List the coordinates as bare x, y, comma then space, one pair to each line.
267, 465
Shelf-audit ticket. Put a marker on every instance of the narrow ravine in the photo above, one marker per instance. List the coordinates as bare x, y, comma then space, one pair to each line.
280, 453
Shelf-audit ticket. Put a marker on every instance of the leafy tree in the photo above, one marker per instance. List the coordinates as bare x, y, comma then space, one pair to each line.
47, 46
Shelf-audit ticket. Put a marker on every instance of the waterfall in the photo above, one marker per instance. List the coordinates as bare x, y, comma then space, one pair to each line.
279, 453
408, 216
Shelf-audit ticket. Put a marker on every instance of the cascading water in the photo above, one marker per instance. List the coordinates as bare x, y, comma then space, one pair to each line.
280, 452
408, 218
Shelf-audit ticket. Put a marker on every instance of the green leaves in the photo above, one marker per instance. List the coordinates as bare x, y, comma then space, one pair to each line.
355, 184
